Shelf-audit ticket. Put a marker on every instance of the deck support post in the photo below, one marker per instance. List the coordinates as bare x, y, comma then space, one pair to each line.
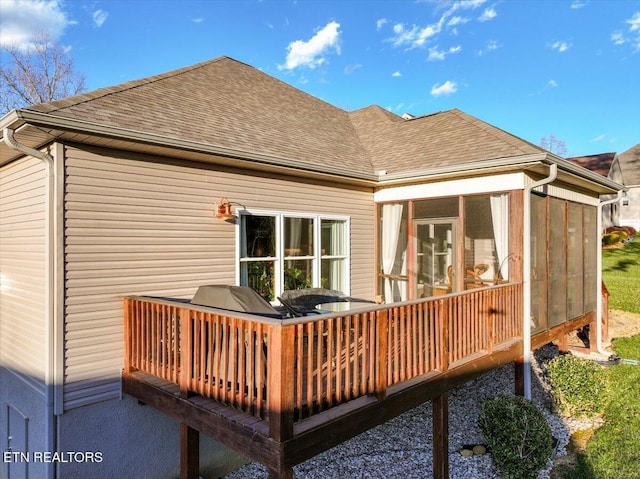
593, 339
563, 343
285, 474
189, 452
518, 372
440, 405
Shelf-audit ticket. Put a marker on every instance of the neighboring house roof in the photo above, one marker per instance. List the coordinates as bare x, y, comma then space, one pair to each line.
232, 110
600, 163
630, 165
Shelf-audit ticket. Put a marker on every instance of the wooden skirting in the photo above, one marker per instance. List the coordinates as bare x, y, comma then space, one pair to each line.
558, 332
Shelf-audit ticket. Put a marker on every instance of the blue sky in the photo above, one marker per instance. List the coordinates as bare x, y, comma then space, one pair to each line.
534, 68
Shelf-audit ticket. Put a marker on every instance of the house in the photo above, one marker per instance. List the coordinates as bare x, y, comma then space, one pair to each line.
608, 165
630, 166
112, 196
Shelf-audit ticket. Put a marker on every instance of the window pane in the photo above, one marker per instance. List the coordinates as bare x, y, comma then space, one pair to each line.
437, 208
298, 274
575, 274
539, 283
298, 237
259, 275
333, 274
333, 237
591, 238
557, 262
486, 242
258, 236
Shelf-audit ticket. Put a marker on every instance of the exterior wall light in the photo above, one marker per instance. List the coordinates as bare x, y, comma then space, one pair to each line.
225, 210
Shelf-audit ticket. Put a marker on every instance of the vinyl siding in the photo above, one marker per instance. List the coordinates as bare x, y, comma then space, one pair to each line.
143, 225
23, 270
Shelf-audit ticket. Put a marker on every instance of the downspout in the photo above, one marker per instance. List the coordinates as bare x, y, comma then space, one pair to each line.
51, 373
526, 277
599, 346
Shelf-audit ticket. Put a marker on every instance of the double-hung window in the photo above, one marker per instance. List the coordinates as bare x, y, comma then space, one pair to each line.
281, 251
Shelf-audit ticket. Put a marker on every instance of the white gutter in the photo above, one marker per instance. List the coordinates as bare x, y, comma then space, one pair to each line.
53, 378
526, 277
599, 345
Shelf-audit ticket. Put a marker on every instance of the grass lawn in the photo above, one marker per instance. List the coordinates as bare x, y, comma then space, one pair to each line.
613, 452
621, 274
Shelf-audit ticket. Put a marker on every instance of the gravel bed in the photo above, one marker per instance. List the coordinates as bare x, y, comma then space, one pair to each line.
402, 447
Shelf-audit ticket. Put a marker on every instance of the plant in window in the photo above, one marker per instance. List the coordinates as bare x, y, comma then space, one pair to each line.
260, 274
296, 278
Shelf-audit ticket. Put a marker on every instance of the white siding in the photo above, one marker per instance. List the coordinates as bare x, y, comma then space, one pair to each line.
142, 225
23, 270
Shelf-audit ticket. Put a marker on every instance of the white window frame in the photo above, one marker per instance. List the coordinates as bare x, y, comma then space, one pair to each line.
280, 257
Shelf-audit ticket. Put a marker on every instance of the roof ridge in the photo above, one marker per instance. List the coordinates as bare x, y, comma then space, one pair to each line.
126, 86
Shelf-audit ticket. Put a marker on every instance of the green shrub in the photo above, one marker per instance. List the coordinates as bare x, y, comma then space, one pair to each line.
517, 434
580, 386
614, 237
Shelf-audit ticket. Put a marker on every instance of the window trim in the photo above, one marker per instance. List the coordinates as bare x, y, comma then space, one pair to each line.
280, 257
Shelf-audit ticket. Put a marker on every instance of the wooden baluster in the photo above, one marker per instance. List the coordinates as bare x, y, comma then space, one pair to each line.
185, 351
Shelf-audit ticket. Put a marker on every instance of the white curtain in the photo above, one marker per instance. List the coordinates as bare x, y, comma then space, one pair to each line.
500, 220
293, 247
393, 259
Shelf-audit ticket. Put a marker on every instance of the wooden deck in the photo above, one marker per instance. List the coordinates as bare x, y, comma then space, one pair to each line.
282, 391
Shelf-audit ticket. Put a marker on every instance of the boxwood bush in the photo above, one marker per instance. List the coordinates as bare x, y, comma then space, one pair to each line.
580, 387
518, 436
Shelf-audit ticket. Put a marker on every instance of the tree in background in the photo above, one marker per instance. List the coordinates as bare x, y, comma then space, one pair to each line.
554, 145
39, 73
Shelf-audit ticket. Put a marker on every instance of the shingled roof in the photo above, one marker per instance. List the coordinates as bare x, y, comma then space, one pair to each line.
600, 163
226, 103
440, 139
630, 165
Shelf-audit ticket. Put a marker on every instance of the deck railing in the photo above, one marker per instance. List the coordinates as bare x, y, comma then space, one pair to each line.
287, 370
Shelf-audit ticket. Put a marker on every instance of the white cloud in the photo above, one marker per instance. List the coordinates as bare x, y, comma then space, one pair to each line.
634, 22
577, 4
491, 46
435, 54
396, 74
447, 88
349, 69
552, 84
417, 36
618, 38
561, 46
22, 20
457, 21
634, 29
488, 14
99, 17
200, 20
632, 36
596, 139
311, 53
381, 23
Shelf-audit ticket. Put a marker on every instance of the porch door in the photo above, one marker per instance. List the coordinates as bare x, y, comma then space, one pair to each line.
435, 257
